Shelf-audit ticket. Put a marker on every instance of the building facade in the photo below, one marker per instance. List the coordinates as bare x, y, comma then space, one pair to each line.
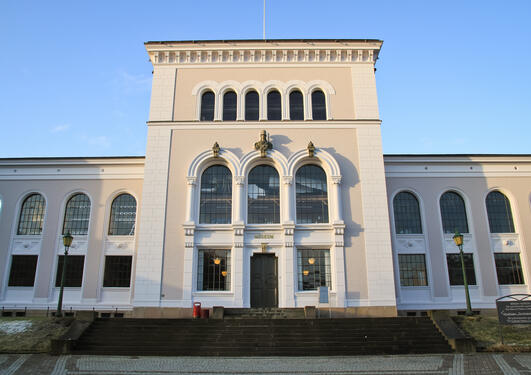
263, 180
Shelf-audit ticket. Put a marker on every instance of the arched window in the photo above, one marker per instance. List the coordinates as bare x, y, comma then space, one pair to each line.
499, 213
32, 215
229, 106
407, 214
207, 106
251, 106
123, 216
453, 213
318, 105
274, 108
296, 107
312, 195
77, 215
263, 196
216, 196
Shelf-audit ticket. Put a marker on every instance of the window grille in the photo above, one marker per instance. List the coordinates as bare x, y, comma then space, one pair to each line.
499, 213
207, 106
453, 213
123, 216
274, 109
318, 105
216, 196
213, 272
77, 215
23, 269
313, 267
455, 271
407, 214
311, 195
252, 103
117, 271
509, 268
229, 106
32, 215
296, 106
263, 203
74, 271
412, 270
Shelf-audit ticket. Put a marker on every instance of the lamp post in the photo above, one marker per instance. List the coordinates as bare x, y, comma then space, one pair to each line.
67, 241
458, 239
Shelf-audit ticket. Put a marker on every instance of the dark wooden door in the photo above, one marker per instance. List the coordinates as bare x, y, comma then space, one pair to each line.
264, 281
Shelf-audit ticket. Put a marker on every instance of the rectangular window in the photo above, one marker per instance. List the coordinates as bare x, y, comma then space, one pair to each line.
455, 271
74, 271
213, 270
313, 267
509, 268
23, 269
412, 270
117, 271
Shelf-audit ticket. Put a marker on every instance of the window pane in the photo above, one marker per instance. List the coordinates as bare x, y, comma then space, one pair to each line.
412, 270
453, 213
213, 270
32, 215
123, 216
499, 213
117, 271
296, 107
318, 105
74, 271
313, 267
251, 106
312, 196
216, 196
263, 203
509, 268
455, 271
407, 214
77, 215
229, 106
207, 106
23, 269
274, 111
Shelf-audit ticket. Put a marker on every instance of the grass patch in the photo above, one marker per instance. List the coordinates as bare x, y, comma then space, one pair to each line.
30, 335
486, 331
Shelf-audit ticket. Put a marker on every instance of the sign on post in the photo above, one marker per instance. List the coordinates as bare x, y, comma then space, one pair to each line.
514, 309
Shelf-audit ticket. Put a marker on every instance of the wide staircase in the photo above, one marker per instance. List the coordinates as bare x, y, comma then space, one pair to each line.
261, 337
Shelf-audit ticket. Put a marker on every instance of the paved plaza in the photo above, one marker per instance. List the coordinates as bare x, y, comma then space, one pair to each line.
451, 364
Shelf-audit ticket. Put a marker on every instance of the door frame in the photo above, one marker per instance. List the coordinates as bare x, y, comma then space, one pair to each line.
275, 258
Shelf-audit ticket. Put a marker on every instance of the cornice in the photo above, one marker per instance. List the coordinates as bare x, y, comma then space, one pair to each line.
275, 54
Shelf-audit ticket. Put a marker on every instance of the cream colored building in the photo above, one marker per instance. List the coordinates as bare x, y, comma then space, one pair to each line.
263, 180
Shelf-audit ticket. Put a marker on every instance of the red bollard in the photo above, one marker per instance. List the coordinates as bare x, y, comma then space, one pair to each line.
196, 314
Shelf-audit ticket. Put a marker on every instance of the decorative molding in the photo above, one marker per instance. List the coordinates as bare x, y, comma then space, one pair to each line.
239, 180
340, 231
191, 180
189, 231
238, 231
288, 231
288, 180
238, 244
336, 179
339, 243
289, 244
189, 244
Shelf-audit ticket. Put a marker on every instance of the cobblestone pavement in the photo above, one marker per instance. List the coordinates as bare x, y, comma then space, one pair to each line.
449, 364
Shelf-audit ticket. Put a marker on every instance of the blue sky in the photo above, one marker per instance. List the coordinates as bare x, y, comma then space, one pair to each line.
453, 76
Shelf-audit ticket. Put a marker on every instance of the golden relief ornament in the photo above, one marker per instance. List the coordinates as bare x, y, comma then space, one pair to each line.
311, 149
263, 144
215, 149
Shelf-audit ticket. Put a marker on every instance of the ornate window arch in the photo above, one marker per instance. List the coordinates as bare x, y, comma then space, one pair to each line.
215, 202
406, 211
77, 215
499, 213
453, 212
122, 219
263, 195
311, 192
31, 217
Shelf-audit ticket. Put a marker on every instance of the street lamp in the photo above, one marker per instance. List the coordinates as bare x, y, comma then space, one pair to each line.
67, 241
458, 239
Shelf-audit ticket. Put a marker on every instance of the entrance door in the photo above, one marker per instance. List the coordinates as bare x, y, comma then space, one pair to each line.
264, 281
